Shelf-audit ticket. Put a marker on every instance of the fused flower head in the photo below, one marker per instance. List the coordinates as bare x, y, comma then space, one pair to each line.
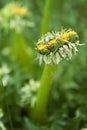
56, 46
13, 9
12, 17
17, 10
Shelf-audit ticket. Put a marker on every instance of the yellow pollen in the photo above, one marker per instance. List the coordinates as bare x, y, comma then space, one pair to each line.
66, 35
51, 42
18, 10
42, 46
59, 37
71, 33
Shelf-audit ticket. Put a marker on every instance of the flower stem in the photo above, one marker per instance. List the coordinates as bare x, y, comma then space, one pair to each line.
22, 52
45, 20
40, 110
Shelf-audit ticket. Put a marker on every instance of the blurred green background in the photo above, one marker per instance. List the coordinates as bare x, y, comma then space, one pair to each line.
67, 106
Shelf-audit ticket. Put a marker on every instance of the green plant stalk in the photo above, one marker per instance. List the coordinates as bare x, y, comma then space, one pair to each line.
39, 112
40, 109
21, 51
45, 20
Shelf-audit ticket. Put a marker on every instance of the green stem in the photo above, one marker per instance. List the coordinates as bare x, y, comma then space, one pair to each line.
45, 20
40, 110
21, 51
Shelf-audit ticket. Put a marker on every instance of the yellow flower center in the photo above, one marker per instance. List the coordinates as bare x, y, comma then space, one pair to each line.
51, 42
66, 35
47, 46
18, 10
42, 46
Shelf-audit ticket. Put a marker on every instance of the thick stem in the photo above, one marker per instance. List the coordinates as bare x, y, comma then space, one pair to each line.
45, 20
40, 110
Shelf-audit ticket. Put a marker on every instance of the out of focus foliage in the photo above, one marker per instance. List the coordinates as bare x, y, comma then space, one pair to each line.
67, 106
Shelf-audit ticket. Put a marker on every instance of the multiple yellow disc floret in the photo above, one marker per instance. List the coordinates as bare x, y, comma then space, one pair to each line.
56, 46
17, 10
15, 17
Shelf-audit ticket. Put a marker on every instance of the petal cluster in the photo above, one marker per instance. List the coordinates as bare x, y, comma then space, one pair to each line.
28, 93
18, 10
15, 17
56, 46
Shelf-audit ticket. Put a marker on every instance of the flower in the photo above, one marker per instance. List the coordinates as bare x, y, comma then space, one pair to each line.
56, 46
28, 93
4, 74
12, 17
65, 34
18, 10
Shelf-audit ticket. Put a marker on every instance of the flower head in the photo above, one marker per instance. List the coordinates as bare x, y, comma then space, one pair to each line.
17, 10
14, 9
12, 17
28, 93
69, 35
55, 46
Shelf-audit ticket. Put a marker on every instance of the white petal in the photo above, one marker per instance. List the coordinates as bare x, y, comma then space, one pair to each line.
62, 53
67, 51
40, 59
47, 59
56, 58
